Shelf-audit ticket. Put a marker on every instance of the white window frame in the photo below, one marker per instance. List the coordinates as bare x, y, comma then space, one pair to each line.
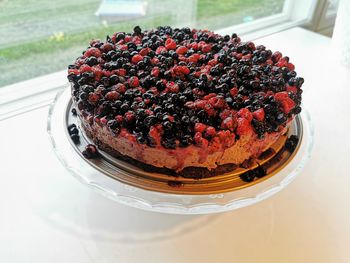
38, 92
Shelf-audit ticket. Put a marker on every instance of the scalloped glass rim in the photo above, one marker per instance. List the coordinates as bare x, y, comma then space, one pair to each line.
162, 202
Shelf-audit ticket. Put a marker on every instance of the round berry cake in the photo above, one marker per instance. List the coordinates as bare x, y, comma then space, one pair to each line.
183, 101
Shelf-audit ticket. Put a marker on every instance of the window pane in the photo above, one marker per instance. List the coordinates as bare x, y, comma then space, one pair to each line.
38, 37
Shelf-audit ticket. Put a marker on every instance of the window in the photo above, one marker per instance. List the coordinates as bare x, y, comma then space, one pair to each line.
41, 36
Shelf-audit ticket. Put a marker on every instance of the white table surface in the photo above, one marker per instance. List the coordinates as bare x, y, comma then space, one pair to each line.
46, 215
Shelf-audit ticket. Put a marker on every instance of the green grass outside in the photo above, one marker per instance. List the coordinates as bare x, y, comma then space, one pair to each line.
22, 59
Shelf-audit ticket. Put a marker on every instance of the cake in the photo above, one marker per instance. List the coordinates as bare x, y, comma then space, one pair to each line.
183, 101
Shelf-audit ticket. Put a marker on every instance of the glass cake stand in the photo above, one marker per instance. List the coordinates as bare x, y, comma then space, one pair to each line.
131, 186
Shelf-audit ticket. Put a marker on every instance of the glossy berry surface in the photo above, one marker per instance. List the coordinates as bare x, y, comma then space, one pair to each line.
174, 87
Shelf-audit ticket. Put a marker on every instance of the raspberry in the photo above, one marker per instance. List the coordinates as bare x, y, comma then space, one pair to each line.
121, 72
128, 38
184, 70
223, 135
287, 103
112, 95
210, 131
212, 62
154, 61
92, 52
119, 118
93, 98
198, 137
224, 114
220, 104
292, 89
120, 88
97, 72
243, 127
136, 58
259, 114
160, 50
174, 88
129, 116
228, 124
84, 68
199, 127
181, 50
200, 104
194, 58
245, 113
144, 51
194, 45
134, 82
107, 47
282, 63
233, 92
170, 44
210, 95
123, 47
276, 56
290, 66
155, 72
206, 48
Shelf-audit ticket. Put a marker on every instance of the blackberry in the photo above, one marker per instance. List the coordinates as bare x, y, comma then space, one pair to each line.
259, 127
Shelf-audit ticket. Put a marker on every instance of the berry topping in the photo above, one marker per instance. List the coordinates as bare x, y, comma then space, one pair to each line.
171, 87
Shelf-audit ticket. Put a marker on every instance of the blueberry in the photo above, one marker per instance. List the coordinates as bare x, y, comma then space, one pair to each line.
71, 126
169, 143
119, 36
167, 125
73, 130
75, 138
91, 61
185, 141
149, 121
113, 124
141, 139
90, 151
